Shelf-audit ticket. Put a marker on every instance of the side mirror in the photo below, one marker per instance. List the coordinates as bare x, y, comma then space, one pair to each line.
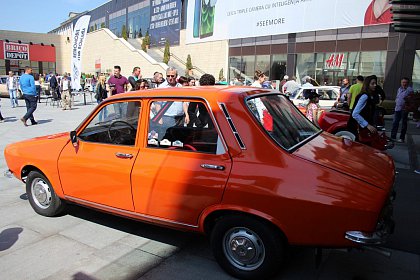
73, 138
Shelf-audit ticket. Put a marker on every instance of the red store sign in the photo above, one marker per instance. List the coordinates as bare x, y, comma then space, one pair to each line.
34, 52
16, 51
335, 60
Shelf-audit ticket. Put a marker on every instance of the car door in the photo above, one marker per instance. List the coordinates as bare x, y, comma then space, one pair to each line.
181, 169
327, 98
98, 169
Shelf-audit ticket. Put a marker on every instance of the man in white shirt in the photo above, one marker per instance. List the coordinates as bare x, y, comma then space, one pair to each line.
291, 87
12, 87
65, 92
178, 110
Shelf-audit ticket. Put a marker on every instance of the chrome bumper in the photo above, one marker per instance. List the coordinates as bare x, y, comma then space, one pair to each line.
364, 238
8, 173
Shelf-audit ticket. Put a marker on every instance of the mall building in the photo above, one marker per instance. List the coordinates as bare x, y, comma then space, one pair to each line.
297, 38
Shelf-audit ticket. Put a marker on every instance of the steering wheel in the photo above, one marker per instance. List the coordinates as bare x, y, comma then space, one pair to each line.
117, 136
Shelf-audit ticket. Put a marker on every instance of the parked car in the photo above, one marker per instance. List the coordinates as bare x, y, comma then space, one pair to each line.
328, 95
251, 172
335, 122
3, 88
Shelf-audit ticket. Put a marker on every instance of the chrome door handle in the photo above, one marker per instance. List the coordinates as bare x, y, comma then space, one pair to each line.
122, 155
212, 166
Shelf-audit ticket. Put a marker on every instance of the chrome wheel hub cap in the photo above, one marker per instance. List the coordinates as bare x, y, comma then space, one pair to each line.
41, 193
243, 248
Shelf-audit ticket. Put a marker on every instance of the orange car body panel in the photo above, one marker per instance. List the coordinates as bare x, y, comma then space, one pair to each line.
314, 194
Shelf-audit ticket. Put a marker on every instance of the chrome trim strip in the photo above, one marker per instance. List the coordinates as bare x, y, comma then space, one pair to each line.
232, 126
125, 212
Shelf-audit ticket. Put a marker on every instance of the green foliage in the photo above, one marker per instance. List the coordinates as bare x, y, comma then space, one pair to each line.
140, 33
166, 53
143, 45
103, 25
221, 76
189, 63
124, 32
147, 38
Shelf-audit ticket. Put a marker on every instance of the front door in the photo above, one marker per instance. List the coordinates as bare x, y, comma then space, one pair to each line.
183, 168
98, 170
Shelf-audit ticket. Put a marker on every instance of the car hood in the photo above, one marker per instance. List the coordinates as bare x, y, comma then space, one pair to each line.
354, 159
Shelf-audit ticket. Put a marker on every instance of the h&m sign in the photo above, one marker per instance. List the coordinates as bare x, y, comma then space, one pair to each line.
16, 51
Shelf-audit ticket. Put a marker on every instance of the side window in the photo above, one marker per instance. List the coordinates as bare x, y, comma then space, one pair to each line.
186, 126
114, 124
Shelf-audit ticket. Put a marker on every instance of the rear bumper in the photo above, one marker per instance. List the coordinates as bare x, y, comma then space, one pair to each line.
384, 227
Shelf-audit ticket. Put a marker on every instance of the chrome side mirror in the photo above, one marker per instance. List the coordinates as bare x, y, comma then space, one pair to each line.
73, 138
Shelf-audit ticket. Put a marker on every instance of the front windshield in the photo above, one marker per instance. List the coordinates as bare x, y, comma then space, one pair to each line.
282, 120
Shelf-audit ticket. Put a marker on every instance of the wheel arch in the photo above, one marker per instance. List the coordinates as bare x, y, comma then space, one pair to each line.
55, 183
209, 220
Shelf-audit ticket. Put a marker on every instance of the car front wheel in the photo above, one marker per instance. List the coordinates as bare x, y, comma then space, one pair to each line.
41, 195
247, 248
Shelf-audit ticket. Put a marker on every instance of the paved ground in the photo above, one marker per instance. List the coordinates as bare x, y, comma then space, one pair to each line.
85, 244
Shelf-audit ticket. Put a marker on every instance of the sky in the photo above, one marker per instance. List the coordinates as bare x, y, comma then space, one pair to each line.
40, 16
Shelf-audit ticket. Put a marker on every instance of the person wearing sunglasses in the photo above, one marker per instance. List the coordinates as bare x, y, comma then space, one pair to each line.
177, 114
171, 75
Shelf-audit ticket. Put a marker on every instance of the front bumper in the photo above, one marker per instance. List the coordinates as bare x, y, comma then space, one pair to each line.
8, 173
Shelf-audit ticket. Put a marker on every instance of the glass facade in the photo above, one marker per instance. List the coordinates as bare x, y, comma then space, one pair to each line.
116, 25
138, 22
244, 67
331, 68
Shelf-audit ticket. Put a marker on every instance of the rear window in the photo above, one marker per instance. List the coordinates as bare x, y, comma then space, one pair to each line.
282, 120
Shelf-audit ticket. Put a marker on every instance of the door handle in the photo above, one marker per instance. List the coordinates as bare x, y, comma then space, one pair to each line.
122, 155
212, 166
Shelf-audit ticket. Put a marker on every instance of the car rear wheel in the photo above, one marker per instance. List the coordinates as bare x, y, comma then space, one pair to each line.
41, 195
247, 248
346, 134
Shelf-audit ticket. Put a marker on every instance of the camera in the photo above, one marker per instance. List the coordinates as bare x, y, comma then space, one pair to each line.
111, 85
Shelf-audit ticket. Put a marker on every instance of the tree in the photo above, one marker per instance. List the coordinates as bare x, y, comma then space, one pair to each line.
135, 34
147, 38
140, 34
221, 77
103, 25
143, 45
124, 32
166, 53
188, 65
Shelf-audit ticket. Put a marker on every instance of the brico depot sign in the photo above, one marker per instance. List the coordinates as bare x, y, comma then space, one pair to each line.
16, 51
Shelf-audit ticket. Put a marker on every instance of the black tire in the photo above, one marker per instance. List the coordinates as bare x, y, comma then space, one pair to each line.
264, 260
41, 195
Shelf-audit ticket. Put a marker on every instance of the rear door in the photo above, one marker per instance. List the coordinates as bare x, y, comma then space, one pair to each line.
181, 169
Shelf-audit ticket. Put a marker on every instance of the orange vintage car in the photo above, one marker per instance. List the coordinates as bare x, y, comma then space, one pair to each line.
245, 167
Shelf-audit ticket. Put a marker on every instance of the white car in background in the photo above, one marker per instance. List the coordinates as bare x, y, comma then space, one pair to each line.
328, 95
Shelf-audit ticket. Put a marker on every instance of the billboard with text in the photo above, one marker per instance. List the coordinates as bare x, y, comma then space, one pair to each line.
212, 20
165, 22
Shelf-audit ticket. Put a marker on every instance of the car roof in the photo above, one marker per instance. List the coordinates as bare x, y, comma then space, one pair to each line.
320, 87
206, 92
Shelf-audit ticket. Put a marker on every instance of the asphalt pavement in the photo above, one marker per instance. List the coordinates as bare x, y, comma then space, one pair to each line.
86, 244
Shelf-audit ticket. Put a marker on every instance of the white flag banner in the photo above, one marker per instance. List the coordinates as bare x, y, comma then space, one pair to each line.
79, 34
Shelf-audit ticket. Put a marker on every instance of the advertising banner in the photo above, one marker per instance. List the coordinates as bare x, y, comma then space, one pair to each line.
212, 20
78, 40
16, 51
165, 22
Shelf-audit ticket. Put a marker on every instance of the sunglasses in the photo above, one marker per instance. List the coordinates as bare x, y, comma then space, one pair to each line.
170, 76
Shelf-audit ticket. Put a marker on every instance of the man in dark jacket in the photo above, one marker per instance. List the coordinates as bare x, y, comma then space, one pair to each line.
54, 85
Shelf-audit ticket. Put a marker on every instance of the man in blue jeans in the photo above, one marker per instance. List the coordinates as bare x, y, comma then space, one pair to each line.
27, 86
400, 113
12, 87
